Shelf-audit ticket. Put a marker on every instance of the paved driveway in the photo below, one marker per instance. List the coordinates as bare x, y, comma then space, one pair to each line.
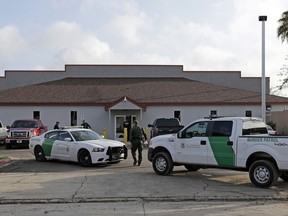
25, 180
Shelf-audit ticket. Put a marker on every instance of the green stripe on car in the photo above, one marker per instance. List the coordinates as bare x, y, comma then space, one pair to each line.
223, 153
47, 146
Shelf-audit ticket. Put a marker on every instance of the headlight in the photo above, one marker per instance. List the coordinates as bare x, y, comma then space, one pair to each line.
98, 149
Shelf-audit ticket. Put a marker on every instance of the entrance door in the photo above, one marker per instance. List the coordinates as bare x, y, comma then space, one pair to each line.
119, 128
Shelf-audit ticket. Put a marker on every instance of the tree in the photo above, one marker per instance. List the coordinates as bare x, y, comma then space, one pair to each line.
282, 30
282, 33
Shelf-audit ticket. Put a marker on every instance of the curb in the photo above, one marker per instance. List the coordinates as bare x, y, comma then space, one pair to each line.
140, 199
4, 161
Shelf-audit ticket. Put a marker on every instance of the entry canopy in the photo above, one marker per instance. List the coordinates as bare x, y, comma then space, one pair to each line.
124, 103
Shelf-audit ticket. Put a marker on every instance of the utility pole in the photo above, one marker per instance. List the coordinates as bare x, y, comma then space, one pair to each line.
263, 19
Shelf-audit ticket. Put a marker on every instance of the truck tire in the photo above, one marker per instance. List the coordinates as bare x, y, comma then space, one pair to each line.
284, 176
162, 163
39, 154
191, 168
263, 173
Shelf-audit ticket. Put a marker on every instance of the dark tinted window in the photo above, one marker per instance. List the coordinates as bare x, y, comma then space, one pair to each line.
221, 128
166, 122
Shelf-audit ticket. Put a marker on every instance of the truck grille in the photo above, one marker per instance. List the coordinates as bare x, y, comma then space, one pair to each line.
20, 134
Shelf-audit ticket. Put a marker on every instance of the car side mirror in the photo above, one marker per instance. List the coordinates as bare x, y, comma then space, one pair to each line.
8, 127
150, 125
68, 139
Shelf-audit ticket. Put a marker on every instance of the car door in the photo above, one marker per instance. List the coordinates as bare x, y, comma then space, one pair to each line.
63, 145
220, 148
192, 144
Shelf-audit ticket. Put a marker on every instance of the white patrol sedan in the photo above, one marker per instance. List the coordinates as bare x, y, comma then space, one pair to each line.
77, 144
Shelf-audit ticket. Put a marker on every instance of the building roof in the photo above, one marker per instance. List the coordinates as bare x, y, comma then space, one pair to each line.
146, 91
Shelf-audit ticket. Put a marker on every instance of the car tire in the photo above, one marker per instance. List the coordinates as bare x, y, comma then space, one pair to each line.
284, 176
84, 158
191, 168
263, 173
39, 154
162, 163
8, 145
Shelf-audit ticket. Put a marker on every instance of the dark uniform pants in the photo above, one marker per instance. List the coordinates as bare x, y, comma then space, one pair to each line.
136, 144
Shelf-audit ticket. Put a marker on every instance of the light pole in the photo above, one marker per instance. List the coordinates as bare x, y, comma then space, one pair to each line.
263, 19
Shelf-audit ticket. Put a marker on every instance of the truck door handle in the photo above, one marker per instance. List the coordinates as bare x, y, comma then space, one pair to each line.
203, 142
229, 143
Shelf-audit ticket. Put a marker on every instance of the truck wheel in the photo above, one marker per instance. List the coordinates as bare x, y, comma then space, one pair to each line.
84, 158
284, 176
191, 168
263, 173
162, 163
8, 145
39, 154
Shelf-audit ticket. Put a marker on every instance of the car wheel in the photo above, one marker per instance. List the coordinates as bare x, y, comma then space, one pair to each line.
8, 145
39, 154
284, 176
263, 173
191, 168
162, 163
84, 158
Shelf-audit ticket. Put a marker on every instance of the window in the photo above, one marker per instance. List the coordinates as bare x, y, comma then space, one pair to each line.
36, 114
73, 118
177, 115
221, 128
63, 135
197, 129
213, 112
253, 127
52, 135
248, 113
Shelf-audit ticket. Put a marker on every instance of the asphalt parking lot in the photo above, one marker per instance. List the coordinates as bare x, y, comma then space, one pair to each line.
23, 180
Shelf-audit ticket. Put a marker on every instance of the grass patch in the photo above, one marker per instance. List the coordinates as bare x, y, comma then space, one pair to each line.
3, 157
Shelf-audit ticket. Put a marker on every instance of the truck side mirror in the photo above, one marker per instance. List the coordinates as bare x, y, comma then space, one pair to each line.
179, 134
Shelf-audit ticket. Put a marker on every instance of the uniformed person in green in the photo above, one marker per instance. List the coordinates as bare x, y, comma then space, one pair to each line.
136, 142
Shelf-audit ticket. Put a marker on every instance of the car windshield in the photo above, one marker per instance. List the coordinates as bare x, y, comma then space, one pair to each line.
84, 135
24, 124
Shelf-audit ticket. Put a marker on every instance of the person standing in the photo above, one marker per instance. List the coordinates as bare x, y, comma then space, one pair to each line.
136, 142
85, 125
56, 126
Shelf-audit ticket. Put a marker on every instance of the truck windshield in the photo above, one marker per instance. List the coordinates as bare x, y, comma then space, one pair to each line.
254, 127
24, 124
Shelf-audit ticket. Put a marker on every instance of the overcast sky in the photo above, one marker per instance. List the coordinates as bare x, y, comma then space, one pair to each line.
198, 34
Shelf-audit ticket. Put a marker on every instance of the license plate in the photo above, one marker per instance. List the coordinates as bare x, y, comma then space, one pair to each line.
19, 141
115, 157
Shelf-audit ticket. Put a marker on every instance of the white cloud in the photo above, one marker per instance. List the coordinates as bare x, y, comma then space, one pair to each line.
12, 43
225, 35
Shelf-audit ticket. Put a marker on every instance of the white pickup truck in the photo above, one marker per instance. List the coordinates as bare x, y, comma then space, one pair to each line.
3, 132
238, 143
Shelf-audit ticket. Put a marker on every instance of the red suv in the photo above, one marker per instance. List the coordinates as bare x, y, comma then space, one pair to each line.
21, 131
